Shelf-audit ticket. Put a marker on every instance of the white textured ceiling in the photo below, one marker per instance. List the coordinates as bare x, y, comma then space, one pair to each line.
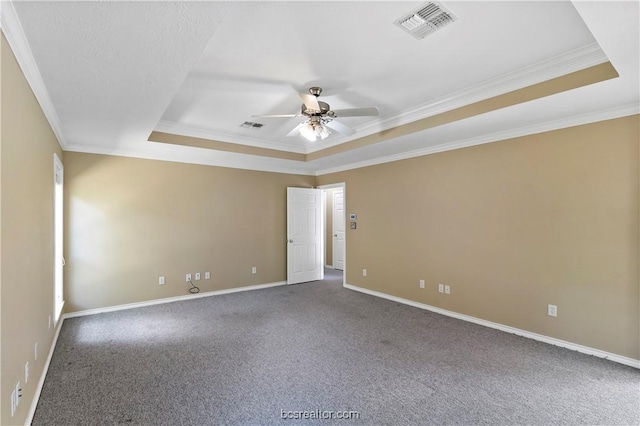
113, 72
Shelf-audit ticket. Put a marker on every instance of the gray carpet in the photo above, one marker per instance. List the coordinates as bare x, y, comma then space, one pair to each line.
243, 358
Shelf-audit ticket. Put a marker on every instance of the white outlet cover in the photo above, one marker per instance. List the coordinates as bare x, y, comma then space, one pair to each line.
207, 275
188, 277
197, 276
447, 289
552, 310
441, 288
421, 283
254, 270
161, 281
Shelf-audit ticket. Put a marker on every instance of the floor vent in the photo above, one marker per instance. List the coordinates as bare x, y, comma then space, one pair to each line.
425, 20
251, 125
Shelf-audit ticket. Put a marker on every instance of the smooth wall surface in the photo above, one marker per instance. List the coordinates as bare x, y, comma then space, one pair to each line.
511, 226
130, 221
27, 148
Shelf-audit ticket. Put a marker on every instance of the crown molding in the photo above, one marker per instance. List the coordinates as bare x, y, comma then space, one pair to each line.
184, 154
557, 66
249, 162
576, 120
12, 29
198, 132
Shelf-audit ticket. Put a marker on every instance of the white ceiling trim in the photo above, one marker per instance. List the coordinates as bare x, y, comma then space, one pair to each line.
14, 33
183, 154
577, 120
554, 67
576, 60
196, 132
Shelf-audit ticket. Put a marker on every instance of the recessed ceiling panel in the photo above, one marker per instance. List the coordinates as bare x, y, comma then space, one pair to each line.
263, 53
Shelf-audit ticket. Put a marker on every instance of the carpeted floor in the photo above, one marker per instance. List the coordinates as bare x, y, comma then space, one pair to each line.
243, 358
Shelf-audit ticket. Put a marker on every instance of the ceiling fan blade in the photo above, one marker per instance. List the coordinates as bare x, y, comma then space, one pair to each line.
296, 129
356, 112
310, 101
277, 115
340, 128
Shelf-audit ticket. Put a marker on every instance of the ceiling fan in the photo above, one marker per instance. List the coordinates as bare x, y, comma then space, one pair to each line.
320, 117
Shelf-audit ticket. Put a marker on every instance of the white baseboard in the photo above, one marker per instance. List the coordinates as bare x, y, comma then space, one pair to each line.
535, 336
171, 299
36, 396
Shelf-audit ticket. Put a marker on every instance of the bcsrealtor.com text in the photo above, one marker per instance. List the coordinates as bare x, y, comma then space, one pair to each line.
319, 414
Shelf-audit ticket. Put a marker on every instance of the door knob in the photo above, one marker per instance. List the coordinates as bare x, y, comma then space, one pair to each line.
335, 235
291, 241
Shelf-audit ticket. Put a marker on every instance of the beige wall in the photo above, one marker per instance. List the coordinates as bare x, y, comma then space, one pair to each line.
130, 221
511, 226
26, 192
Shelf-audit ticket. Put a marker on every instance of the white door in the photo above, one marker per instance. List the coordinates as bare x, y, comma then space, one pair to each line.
58, 232
338, 229
304, 235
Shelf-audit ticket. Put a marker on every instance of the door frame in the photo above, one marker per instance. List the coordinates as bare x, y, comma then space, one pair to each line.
342, 185
58, 238
333, 227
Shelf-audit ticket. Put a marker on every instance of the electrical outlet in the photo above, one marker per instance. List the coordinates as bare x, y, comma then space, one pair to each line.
26, 373
13, 402
188, 277
421, 283
197, 276
364, 272
447, 289
254, 270
161, 281
207, 275
440, 288
552, 310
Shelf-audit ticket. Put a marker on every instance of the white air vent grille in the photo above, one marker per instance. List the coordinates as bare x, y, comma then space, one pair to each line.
425, 20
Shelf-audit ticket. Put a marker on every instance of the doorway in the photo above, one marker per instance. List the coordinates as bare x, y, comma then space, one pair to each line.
58, 232
338, 223
335, 224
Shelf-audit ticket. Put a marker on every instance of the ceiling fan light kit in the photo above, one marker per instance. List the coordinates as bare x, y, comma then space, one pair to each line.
314, 130
321, 118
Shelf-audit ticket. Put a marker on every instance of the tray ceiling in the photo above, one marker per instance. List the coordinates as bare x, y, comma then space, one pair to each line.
176, 80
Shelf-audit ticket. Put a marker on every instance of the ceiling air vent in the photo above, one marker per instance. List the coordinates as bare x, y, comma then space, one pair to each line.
425, 20
251, 125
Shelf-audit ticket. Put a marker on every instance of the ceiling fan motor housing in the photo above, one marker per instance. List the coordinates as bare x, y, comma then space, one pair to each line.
324, 109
